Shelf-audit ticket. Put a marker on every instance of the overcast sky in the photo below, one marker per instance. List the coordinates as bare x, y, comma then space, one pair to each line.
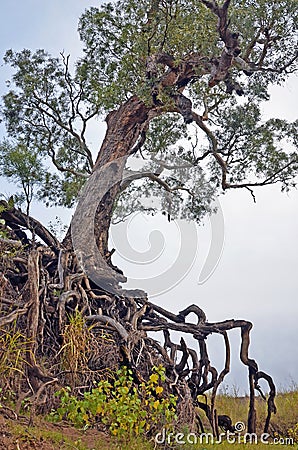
256, 278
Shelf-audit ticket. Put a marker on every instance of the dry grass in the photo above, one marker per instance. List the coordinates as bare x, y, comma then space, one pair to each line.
76, 347
286, 417
13, 349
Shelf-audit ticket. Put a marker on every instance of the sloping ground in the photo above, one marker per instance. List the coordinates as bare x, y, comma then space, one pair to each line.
16, 435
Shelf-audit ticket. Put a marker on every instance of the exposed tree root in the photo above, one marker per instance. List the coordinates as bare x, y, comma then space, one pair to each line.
42, 289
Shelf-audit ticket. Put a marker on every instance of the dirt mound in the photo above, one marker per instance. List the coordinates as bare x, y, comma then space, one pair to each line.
16, 435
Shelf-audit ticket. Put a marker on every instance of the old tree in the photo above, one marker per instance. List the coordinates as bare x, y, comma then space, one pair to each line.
180, 84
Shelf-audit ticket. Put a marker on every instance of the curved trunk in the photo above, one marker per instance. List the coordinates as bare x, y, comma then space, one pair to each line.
124, 127
51, 289
97, 199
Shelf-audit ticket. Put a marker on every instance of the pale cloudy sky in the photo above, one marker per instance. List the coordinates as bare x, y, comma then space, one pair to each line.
256, 278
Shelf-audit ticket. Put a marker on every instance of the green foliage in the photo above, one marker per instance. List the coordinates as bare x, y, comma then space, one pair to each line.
170, 152
23, 166
125, 409
255, 149
8, 252
48, 107
260, 19
8, 249
118, 36
57, 190
3, 231
48, 113
293, 433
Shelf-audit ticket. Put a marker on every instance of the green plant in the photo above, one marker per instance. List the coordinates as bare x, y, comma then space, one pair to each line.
293, 433
8, 252
125, 409
23, 166
9, 248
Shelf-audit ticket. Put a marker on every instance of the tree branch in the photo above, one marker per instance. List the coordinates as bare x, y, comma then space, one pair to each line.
106, 320
214, 148
14, 217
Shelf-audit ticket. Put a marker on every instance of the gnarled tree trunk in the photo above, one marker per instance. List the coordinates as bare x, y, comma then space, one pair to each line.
78, 275
59, 285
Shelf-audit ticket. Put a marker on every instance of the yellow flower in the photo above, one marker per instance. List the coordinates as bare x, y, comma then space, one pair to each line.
154, 378
159, 389
156, 404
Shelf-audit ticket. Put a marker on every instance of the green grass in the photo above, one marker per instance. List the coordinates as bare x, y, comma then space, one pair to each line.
227, 446
39, 436
66, 437
49, 436
286, 417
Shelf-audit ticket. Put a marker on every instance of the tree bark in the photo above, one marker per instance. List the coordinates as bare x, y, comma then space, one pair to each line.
58, 286
124, 127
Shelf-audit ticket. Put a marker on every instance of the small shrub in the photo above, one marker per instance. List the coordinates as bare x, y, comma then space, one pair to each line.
293, 433
125, 409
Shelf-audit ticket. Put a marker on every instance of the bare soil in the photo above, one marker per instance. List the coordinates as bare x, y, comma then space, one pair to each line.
17, 435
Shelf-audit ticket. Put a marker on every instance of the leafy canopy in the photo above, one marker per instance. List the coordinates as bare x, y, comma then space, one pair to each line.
49, 106
25, 168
